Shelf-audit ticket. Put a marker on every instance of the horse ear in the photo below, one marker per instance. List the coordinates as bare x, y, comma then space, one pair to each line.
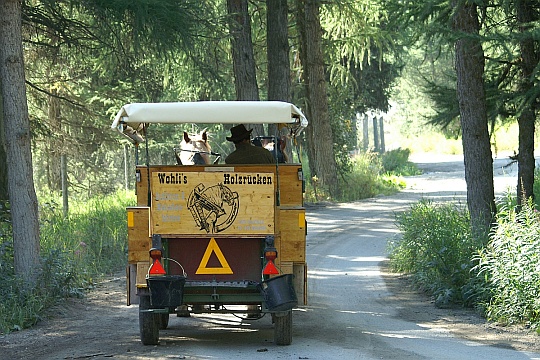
186, 137
204, 135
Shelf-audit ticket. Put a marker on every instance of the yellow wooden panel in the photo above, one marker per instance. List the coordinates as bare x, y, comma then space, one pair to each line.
277, 245
290, 181
141, 186
293, 248
292, 234
290, 186
136, 256
227, 203
128, 287
141, 246
142, 270
138, 234
292, 219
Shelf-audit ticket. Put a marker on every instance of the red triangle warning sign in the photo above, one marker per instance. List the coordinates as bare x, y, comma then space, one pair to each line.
157, 268
270, 269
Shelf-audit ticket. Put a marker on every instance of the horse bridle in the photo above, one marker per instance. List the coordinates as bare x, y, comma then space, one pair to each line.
197, 152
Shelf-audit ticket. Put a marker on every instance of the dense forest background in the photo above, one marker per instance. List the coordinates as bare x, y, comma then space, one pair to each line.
395, 59
465, 67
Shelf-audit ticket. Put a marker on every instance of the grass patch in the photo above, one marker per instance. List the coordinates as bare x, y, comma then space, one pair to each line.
369, 174
75, 252
436, 247
510, 266
499, 275
396, 162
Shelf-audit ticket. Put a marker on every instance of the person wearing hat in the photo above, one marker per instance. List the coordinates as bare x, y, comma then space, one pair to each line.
246, 152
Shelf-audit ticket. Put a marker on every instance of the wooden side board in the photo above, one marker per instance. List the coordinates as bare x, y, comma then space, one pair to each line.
291, 236
138, 234
290, 242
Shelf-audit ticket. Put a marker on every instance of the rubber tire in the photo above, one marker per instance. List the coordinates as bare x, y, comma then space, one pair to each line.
163, 321
283, 329
149, 323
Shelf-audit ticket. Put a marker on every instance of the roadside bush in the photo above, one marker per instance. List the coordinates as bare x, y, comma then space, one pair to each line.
397, 162
510, 264
21, 308
536, 188
75, 252
502, 277
366, 178
436, 247
94, 235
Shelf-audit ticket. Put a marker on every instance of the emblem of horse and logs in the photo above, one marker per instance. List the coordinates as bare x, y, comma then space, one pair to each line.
212, 203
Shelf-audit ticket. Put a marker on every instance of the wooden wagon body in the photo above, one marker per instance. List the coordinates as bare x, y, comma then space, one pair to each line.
213, 227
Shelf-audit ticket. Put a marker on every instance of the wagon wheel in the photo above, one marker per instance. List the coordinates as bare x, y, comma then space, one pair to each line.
163, 321
149, 323
282, 328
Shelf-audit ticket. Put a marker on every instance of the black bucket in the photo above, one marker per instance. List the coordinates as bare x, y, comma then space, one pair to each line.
167, 290
278, 293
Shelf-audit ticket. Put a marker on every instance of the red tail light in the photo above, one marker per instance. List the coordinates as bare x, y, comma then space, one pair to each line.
270, 254
156, 254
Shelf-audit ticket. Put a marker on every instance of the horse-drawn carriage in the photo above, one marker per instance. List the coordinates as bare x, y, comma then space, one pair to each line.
215, 238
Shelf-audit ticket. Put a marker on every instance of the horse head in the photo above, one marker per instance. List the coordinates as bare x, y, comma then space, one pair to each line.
195, 149
278, 151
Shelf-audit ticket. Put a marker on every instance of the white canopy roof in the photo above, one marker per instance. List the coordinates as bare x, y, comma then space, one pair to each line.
131, 117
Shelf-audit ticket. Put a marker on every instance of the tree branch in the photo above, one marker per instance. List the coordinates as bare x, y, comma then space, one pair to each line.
54, 95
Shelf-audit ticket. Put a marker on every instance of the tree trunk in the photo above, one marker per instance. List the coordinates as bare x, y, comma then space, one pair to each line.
376, 144
308, 133
54, 145
279, 68
3, 161
473, 116
529, 60
65, 193
319, 130
22, 195
245, 79
381, 135
365, 132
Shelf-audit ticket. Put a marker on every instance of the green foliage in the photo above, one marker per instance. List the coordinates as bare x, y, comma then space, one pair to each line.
366, 178
94, 234
86, 59
361, 68
429, 39
536, 187
510, 265
397, 162
358, 41
76, 251
436, 248
499, 276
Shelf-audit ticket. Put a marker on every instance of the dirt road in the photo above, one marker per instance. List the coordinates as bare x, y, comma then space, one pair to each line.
356, 309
